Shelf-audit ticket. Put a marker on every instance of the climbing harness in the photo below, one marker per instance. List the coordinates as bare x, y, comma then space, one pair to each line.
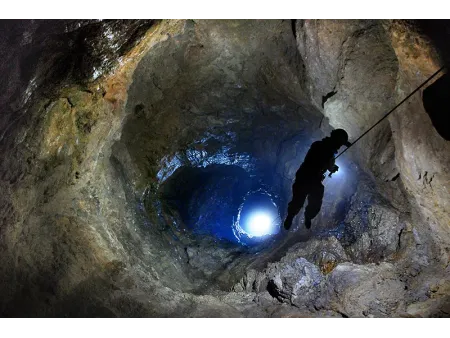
392, 110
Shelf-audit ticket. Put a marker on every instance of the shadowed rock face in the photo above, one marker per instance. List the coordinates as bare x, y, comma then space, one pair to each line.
121, 140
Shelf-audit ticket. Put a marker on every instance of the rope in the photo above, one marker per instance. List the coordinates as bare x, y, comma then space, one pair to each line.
392, 110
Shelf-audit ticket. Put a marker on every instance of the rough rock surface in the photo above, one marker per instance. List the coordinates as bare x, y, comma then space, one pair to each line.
401, 58
96, 117
295, 282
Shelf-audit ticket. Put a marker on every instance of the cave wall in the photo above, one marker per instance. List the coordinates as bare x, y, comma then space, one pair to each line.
360, 84
423, 156
62, 205
211, 80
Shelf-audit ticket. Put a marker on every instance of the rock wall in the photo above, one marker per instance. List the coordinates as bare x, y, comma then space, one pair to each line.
361, 69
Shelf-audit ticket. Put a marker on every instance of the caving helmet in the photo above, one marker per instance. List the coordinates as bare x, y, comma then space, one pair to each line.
340, 136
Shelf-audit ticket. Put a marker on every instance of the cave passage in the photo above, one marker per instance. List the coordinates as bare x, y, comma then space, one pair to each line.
221, 200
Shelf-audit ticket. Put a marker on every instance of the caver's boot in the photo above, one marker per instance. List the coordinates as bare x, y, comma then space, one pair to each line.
307, 223
288, 222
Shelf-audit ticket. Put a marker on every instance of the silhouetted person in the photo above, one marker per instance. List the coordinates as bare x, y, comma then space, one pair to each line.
309, 177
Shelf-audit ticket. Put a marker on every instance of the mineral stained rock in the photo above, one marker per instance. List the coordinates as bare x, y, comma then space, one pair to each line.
106, 127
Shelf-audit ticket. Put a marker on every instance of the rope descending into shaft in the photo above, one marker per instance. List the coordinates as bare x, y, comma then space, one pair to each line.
392, 110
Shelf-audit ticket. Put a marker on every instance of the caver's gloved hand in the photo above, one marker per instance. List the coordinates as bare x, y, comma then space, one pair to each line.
333, 169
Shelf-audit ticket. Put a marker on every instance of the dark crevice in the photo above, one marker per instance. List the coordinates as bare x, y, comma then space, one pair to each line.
342, 314
326, 97
70, 102
294, 31
273, 290
395, 177
400, 238
321, 120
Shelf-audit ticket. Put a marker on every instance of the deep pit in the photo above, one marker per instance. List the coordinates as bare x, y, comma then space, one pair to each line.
147, 167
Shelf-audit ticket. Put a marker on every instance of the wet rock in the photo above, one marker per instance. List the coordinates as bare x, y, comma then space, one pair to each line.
43, 53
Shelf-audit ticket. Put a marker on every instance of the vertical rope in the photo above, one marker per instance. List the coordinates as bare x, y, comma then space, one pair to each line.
392, 110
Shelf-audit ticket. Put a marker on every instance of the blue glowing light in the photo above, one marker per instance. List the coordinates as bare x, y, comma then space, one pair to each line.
258, 217
260, 223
